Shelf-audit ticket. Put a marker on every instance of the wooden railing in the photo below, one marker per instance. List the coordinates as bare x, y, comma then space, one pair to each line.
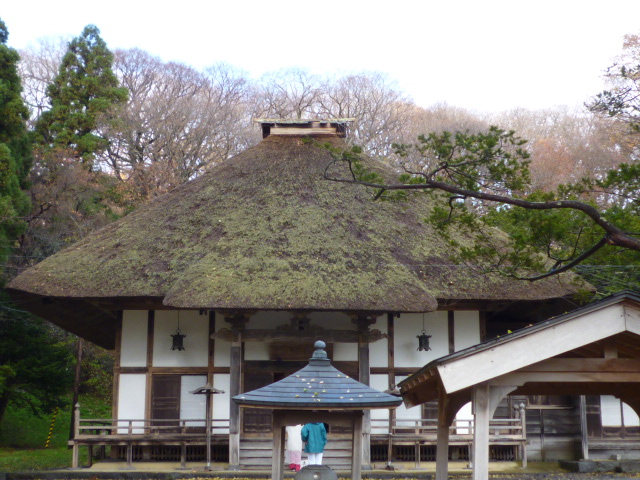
92, 432
424, 431
102, 432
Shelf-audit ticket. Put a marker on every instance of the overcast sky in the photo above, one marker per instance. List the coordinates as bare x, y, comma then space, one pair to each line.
483, 55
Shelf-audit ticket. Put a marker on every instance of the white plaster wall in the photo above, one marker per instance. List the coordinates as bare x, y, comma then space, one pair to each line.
192, 406
133, 343
404, 413
466, 330
221, 410
408, 326
131, 400
196, 342
379, 351
610, 413
221, 348
380, 382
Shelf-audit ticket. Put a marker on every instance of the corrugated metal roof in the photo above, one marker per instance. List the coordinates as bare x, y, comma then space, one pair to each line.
318, 386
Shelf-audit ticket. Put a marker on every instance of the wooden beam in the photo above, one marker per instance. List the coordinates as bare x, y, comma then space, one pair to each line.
310, 335
303, 131
521, 378
585, 365
452, 330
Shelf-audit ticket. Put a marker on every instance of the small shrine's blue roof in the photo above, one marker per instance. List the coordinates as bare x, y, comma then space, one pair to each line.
318, 386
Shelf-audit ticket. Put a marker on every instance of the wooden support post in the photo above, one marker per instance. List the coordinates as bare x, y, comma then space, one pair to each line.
277, 472
584, 432
390, 445
523, 446
364, 377
442, 448
208, 429
391, 377
75, 458
356, 465
237, 323
485, 401
130, 455
481, 417
183, 456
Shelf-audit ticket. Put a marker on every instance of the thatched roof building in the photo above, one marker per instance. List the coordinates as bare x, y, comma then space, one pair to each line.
262, 231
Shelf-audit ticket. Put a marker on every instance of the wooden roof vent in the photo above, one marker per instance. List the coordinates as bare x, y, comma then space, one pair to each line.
279, 126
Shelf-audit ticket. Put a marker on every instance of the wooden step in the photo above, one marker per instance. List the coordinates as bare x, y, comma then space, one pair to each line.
257, 454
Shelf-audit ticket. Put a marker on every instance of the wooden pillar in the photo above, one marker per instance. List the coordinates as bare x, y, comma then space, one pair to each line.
481, 418
237, 322
277, 472
356, 465
584, 432
365, 378
391, 377
75, 458
522, 410
442, 448
148, 407
485, 401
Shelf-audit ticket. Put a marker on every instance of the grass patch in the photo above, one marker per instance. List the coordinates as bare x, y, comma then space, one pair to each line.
21, 429
22, 460
23, 437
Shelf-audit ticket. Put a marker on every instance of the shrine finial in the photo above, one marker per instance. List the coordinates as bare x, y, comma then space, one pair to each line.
319, 353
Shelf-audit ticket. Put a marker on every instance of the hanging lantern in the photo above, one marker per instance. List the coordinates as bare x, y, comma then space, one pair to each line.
177, 338
423, 339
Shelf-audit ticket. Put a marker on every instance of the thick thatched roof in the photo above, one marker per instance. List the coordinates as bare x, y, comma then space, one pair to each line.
265, 230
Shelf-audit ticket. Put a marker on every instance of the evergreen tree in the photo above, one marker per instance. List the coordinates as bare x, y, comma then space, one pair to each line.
36, 363
15, 148
84, 90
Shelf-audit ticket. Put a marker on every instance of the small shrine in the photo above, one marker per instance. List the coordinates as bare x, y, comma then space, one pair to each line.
317, 393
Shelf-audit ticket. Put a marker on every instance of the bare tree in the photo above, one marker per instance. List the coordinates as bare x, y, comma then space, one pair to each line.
566, 144
381, 111
37, 69
177, 122
289, 93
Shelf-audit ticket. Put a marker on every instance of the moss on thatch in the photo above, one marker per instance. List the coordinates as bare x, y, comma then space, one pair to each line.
265, 230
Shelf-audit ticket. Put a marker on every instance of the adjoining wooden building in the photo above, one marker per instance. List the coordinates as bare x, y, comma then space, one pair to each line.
250, 263
594, 351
